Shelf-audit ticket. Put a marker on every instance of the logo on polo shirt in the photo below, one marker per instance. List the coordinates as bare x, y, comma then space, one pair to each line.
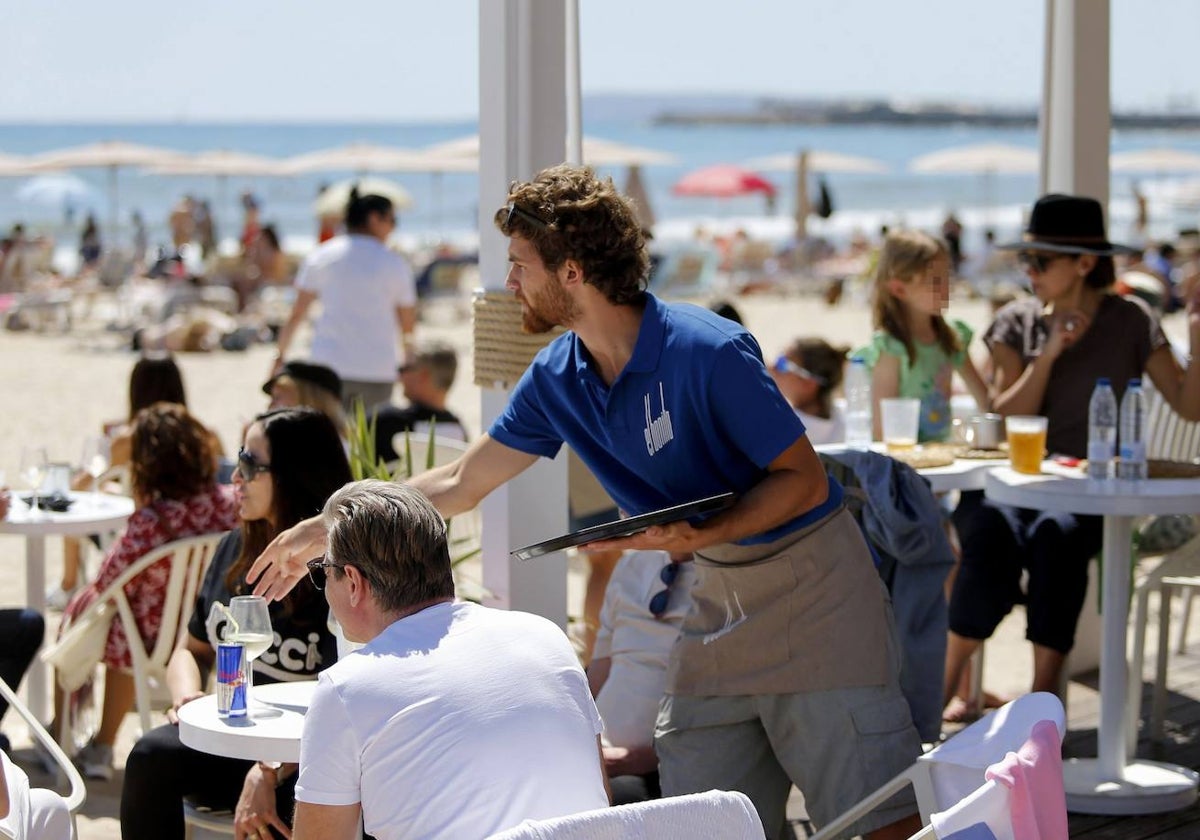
658, 429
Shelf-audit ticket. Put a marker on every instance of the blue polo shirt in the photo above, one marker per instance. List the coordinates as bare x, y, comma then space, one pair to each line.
694, 413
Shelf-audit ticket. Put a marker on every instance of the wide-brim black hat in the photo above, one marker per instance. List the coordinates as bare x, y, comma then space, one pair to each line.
1067, 224
319, 375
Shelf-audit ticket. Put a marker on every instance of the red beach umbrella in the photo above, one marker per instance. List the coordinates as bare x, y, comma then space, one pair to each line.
723, 181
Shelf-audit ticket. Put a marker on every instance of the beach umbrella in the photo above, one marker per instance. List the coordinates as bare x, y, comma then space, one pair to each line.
110, 155
1155, 161
819, 161
13, 166
333, 200
724, 180
981, 159
56, 191
596, 152
360, 158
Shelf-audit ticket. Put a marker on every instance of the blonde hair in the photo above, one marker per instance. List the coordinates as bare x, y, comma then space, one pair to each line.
314, 396
905, 254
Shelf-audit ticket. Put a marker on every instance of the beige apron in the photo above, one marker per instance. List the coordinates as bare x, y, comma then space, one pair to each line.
807, 612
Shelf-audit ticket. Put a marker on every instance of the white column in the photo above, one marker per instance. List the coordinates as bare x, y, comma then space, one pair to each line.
522, 129
1076, 111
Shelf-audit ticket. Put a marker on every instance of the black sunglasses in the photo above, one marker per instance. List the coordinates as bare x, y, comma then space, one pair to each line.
317, 573
660, 601
516, 210
1039, 262
248, 468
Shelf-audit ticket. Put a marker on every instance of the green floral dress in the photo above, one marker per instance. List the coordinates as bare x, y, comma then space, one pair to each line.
928, 378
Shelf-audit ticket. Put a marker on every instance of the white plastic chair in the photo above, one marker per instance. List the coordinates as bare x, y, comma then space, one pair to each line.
952, 771
189, 559
78, 793
716, 814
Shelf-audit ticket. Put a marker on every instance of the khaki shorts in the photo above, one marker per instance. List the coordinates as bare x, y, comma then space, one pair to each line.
837, 746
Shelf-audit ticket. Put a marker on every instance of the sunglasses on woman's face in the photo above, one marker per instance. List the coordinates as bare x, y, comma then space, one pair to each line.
1038, 262
785, 365
248, 468
661, 599
317, 571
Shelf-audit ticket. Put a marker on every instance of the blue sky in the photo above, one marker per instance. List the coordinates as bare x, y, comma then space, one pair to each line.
406, 60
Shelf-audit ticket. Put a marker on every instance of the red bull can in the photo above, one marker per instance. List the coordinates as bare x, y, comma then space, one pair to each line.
231, 680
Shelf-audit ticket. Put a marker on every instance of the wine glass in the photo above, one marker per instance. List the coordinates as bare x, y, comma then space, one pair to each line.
33, 471
253, 620
95, 458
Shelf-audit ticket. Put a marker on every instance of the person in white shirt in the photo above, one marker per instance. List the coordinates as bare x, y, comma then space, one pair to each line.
454, 720
647, 597
365, 290
33, 813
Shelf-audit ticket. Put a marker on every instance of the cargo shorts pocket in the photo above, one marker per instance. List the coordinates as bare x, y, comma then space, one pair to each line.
887, 740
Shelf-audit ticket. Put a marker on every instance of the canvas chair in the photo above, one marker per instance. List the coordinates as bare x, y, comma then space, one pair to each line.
952, 771
78, 792
189, 557
714, 814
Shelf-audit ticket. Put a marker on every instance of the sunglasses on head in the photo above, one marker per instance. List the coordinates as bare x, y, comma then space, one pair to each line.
785, 365
515, 210
661, 599
1038, 262
248, 468
317, 570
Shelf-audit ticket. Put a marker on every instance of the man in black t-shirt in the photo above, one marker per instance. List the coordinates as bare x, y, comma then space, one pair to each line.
426, 380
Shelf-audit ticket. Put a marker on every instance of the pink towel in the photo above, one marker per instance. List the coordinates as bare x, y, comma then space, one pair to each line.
1034, 778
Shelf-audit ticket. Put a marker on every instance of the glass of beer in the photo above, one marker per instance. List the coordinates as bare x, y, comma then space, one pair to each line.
900, 419
1026, 442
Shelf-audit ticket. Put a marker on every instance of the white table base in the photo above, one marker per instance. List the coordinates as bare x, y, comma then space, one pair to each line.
1143, 787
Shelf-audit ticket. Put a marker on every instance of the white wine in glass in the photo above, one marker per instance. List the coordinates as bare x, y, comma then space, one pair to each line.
33, 472
253, 620
95, 458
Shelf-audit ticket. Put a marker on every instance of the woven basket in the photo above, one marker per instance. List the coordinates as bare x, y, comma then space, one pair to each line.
502, 350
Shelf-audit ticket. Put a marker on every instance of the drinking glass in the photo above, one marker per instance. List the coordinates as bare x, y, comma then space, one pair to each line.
33, 472
254, 631
1026, 442
95, 458
900, 418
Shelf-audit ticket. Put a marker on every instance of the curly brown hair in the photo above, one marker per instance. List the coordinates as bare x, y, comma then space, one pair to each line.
172, 456
570, 214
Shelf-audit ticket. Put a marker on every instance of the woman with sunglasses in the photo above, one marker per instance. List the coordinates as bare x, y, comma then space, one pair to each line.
292, 460
1047, 353
807, 373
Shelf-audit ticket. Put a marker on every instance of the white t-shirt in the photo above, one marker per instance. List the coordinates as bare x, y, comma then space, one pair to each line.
819, 430
457, 721
360, 283
638, 643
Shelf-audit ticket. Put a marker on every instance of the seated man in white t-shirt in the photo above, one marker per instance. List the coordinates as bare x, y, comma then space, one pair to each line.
454, 720
33, 813
644, 605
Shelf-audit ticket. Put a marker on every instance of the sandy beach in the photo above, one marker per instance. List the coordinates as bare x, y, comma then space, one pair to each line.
58, 388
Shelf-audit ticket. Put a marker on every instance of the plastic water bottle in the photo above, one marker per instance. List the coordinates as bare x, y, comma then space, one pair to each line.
1133, 432
1102, 430
858, 405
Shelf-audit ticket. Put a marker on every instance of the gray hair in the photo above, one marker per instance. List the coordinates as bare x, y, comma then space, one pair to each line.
440, 360
395, 537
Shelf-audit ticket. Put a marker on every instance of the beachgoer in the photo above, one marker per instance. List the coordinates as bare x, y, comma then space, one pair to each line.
426, 379
250, 223
1047, 352
175, 495
454, 720
89, 244
292, 462
648, 595
667, 403
914, 351
365, 290
182, 222
141, 241
952, 231
807, 373
308, 384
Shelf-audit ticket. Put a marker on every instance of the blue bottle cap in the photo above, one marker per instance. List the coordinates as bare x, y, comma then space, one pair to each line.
1103, 380
1136, 382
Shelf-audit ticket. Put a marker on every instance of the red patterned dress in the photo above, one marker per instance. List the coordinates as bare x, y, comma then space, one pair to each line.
210, 512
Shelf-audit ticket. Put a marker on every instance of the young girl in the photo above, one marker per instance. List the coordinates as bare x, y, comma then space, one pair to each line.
914, 351
807, 373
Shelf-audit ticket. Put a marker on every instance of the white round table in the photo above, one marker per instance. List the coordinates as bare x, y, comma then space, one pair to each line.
90, 513
1111, 783
963, 474
271, 732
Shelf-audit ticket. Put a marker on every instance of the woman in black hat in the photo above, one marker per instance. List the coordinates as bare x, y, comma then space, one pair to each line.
1047, 352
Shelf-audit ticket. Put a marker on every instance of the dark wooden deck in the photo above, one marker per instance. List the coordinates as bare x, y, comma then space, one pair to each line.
1181, 745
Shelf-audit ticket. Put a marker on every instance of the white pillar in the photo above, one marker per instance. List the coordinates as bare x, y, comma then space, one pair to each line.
522, 129
1076, 116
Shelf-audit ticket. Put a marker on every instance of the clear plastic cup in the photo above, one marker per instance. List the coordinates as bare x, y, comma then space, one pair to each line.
900, 419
